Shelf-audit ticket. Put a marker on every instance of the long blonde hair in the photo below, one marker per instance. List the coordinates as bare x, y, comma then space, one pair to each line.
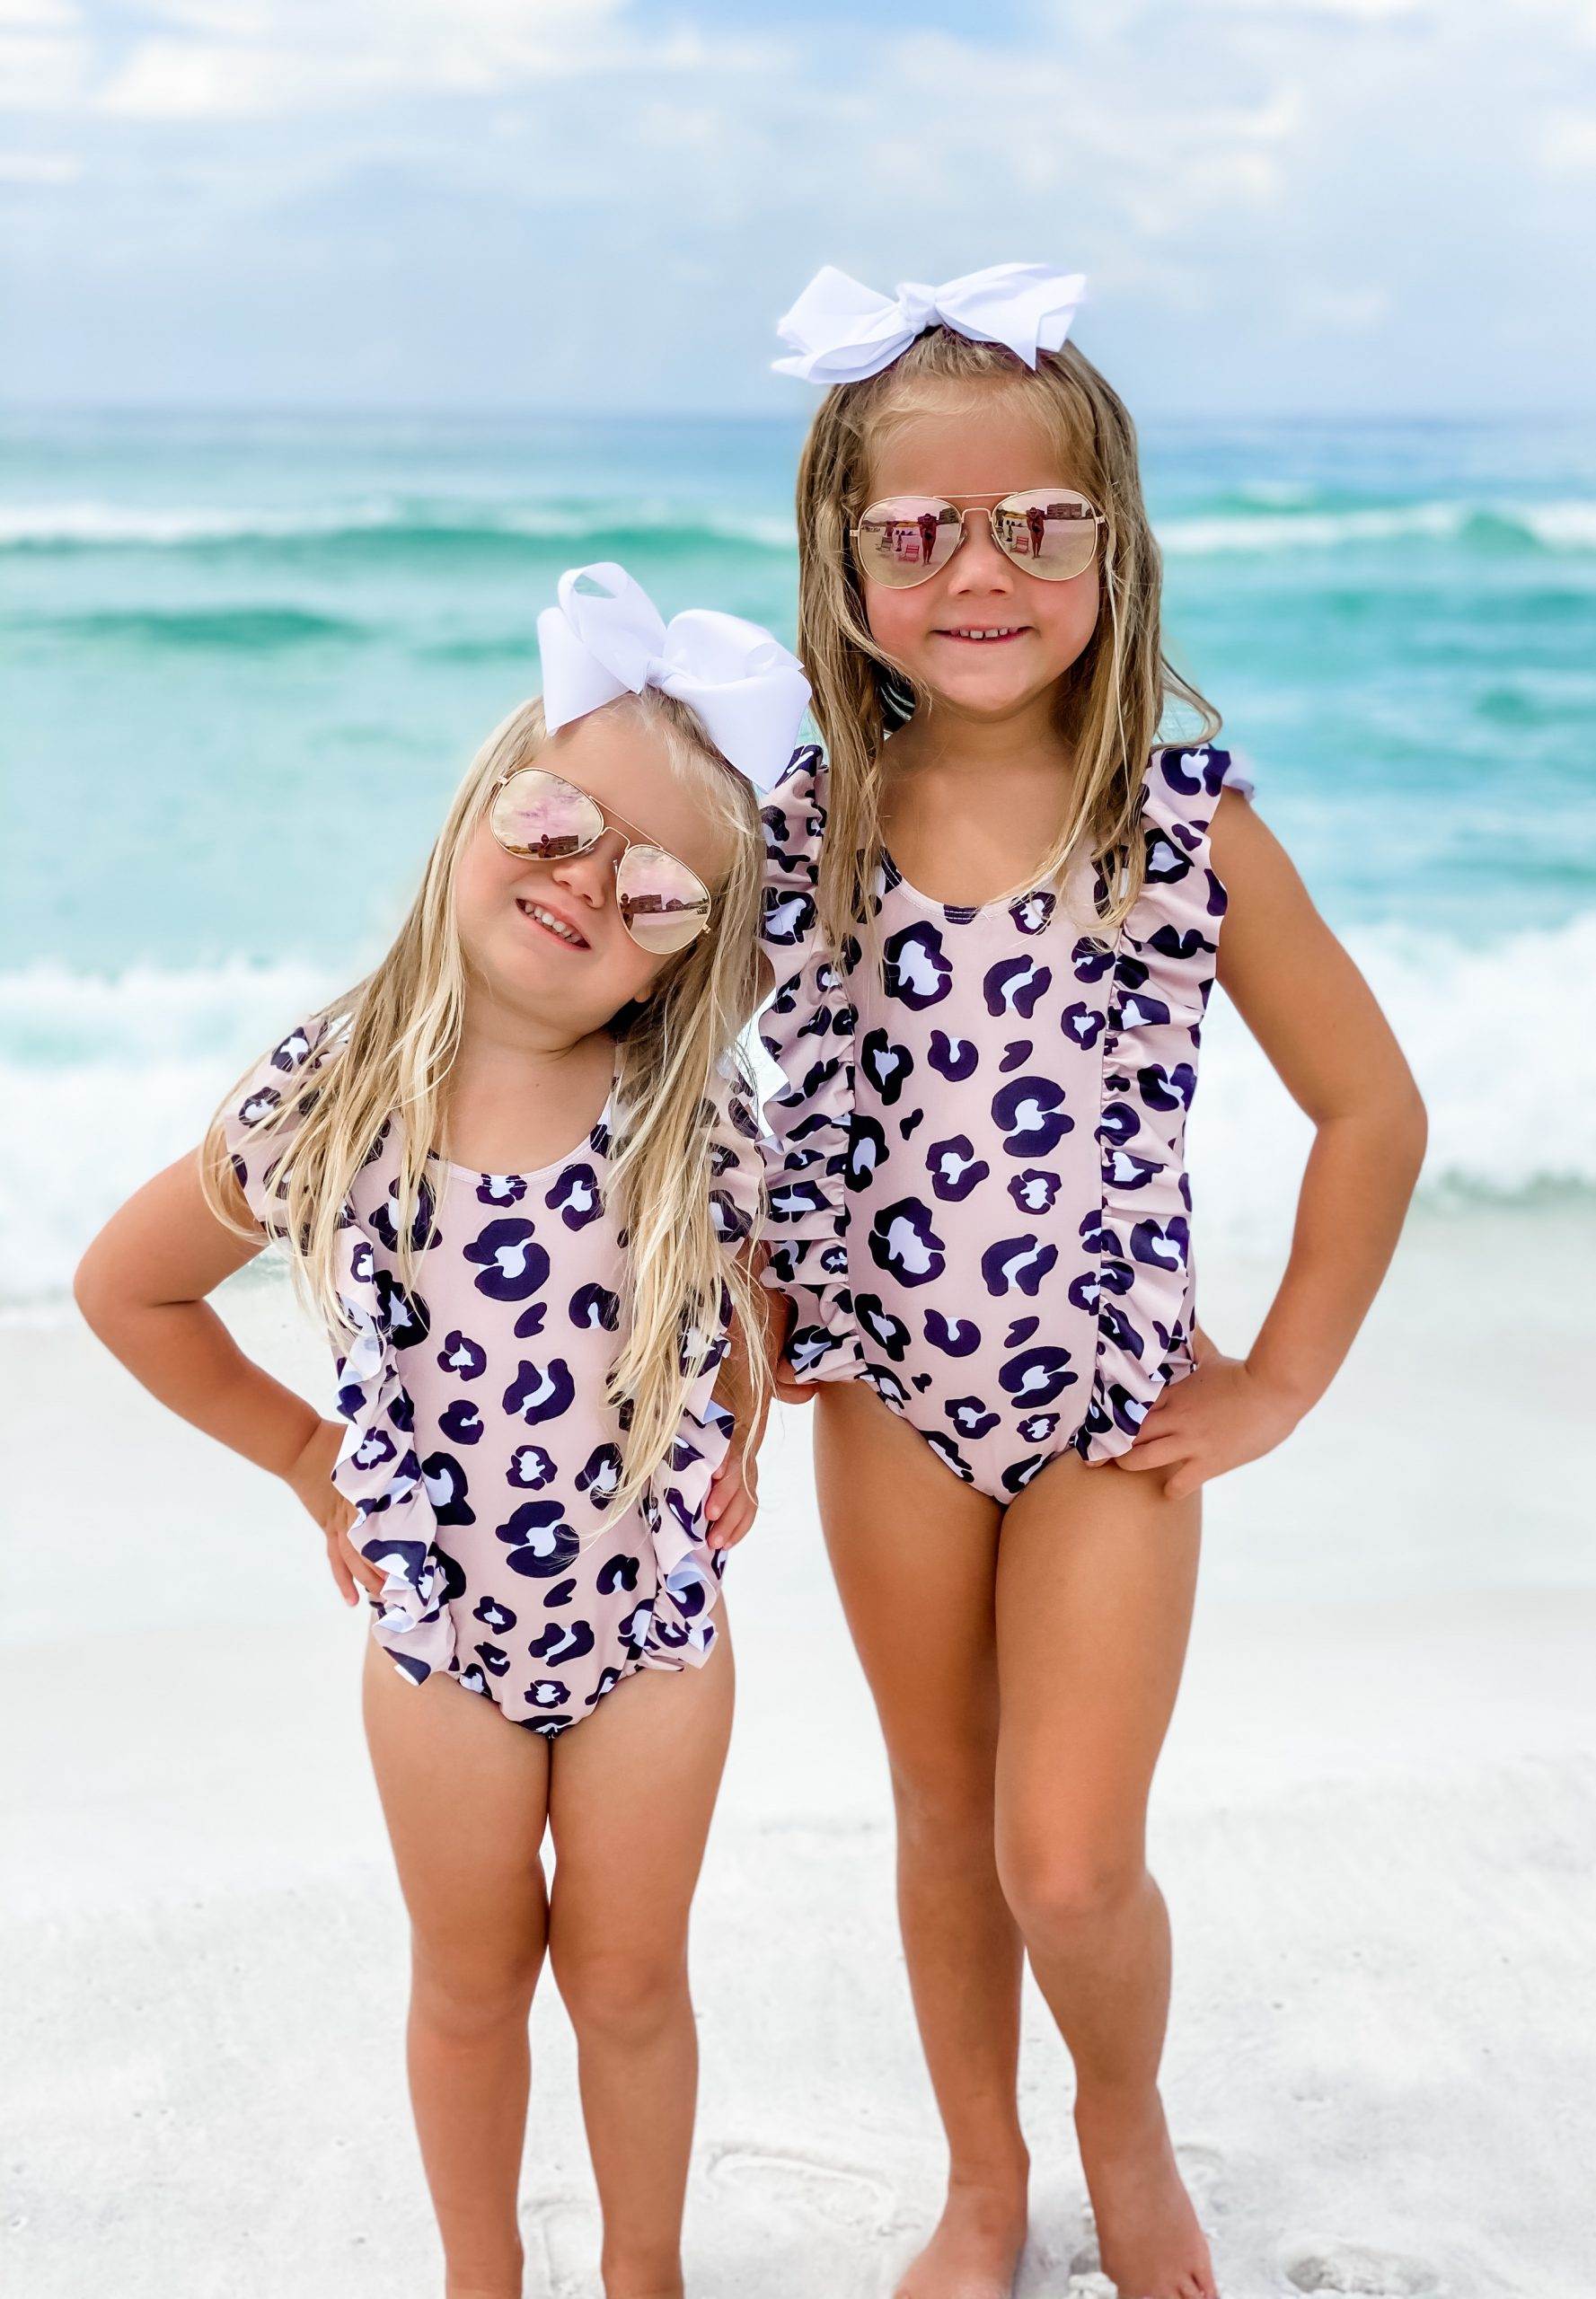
1112, 701
388, 1045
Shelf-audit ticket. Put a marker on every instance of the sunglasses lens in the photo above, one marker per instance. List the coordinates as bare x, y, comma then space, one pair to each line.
1047, 531
662, 906
907, 538
544, 815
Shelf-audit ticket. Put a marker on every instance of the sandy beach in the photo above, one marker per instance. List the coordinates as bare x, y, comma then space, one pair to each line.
1376, 1824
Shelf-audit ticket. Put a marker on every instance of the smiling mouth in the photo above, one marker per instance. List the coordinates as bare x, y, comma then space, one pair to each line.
983, 635
551, 924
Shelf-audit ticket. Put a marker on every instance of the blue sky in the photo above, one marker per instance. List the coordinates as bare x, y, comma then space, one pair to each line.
1366, 205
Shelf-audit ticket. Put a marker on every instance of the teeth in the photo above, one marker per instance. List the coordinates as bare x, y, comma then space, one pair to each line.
555, 925
1010, 630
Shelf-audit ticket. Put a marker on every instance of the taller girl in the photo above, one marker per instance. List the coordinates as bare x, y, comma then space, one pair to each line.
994, 921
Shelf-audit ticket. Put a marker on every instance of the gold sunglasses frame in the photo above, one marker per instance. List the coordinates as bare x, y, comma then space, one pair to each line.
608, 819
988, 503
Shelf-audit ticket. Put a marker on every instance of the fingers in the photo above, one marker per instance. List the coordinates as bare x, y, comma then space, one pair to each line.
730, 1528
343, 1580
1187, 1479
728, 1482
730, 1507
368, 1576
1157, 1453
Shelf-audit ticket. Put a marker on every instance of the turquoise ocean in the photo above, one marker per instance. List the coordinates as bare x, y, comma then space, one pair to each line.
245, 658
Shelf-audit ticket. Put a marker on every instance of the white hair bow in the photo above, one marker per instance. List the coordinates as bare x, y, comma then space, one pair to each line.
610, 639
841, 331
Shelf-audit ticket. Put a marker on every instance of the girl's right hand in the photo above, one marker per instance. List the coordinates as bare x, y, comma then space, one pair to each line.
311, 1478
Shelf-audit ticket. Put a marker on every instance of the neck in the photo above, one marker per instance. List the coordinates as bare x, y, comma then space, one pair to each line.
494, 1034
941, 736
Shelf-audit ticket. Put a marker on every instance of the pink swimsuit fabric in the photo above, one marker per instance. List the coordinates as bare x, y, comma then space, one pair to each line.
479, 1452
978, 1200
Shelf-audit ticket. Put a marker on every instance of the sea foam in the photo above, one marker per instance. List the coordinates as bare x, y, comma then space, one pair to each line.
105, 1079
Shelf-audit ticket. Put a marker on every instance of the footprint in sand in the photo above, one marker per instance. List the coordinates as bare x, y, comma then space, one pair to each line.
808, 2186
565, 2229
1327, 2270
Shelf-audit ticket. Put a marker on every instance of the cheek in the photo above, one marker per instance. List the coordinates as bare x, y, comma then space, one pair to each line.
897, 618
483, 876
1066, 613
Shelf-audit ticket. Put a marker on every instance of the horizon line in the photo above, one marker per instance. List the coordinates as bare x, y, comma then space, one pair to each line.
353, 410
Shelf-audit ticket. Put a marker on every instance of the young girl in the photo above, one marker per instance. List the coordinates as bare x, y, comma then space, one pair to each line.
514, 1169
995, 919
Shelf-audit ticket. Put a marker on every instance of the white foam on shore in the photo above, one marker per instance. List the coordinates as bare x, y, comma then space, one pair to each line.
1284, 519
105, 1079
89, 525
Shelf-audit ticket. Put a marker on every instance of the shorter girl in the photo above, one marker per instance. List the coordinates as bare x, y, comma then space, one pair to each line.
514, 1171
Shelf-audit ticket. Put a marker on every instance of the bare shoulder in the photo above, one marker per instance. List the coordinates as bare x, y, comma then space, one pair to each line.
1250, 863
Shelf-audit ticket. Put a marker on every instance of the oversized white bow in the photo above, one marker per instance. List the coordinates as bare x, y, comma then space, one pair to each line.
841, 331
610, 639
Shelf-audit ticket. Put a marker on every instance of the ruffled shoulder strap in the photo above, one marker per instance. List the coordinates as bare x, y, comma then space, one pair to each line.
807, 1031
794, 821
1162, 973
737, 1161
257, 1136
1185, 783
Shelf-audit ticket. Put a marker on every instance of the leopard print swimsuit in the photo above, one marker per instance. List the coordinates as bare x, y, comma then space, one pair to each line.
977, 1193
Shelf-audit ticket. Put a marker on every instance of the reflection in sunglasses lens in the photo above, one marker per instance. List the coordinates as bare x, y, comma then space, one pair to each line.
1052, 535
664, 906
909, 536
539, 814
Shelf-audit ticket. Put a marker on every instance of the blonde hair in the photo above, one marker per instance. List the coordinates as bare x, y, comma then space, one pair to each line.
1112, 701
391, 1042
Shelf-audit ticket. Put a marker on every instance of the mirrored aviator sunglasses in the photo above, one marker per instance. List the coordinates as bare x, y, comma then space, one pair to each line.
540, 817
1048, 532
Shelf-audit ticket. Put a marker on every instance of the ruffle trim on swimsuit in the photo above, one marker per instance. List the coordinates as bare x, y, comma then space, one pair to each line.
379, 1470
1162, 971
807, 1029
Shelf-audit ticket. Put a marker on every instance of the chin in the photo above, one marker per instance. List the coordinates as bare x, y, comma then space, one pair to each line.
981, 698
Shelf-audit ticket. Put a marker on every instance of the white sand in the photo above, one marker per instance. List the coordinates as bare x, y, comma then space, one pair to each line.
1376, 1825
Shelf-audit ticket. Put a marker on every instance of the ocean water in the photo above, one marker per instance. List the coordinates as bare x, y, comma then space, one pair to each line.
246, 658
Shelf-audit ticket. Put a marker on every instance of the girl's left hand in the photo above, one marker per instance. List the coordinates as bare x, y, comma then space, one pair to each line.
1221, 1414
733, 1498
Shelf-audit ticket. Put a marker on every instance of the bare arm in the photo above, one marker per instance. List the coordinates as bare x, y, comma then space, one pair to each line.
1316, 1020
142, 1288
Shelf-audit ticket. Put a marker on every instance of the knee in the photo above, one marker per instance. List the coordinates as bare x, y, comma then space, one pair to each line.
945, 1803
621, 1996
1058, 1886
470, 1992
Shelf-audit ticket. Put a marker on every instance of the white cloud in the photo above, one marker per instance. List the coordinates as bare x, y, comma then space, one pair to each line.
1238, 179
1568, 142
40, 167
43, 70
38, 15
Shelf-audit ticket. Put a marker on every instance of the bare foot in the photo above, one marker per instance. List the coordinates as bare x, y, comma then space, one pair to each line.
1148, 2235
976, 2249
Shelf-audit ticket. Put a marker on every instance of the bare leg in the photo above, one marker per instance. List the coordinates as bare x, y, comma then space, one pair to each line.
632, 1791
1096, 1576
465, 1797
914, 1552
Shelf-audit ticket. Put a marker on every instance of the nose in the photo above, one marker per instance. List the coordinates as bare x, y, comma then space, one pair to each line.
978, 565
590, 878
